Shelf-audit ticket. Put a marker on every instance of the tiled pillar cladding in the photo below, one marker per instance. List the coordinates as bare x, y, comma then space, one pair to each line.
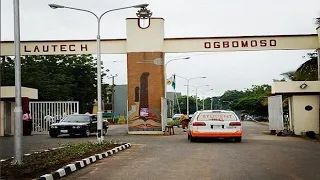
145, 89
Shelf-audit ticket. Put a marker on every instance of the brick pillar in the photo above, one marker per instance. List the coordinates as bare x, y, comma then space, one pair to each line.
145, 47
145, 89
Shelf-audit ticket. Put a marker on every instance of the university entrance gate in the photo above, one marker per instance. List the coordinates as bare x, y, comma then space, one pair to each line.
146, 85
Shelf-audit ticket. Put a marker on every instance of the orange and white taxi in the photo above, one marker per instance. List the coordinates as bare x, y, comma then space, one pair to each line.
215, 124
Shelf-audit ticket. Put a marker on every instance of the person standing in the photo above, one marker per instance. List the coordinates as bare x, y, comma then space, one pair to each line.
184, 120
27, 124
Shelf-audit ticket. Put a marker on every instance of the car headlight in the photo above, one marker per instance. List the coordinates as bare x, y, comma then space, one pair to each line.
54, 127
76, 127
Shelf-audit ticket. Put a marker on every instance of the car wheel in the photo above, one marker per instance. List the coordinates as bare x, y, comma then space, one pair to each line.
193, 139
237, 139
87, 133
53, 135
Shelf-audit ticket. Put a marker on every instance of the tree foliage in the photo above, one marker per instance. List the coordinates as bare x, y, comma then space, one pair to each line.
57, 77
251, 101
183, 105
308, 71
254, 101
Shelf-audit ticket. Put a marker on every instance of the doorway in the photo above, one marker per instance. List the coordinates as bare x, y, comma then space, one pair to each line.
7, 119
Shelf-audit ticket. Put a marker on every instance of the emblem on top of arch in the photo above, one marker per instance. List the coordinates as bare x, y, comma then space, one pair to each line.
144, 16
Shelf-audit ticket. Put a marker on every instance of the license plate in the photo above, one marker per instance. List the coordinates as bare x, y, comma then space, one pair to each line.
64, 131
231, 127
215, 126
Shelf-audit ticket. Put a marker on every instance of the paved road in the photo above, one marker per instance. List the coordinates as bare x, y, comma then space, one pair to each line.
258, 157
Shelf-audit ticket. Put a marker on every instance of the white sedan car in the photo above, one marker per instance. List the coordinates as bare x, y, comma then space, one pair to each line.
215, 124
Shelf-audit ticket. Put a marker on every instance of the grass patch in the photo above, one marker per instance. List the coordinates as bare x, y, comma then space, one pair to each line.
36, 165
173, 123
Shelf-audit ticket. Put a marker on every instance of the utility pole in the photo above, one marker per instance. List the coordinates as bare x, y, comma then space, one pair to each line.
18, 104
203, 108
0, 79
113, 76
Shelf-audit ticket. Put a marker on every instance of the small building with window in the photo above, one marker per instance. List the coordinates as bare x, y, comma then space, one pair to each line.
7, 105
303, 100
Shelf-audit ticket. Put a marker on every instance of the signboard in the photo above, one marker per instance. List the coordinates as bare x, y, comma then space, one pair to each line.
241, 43
171, 45
55, 47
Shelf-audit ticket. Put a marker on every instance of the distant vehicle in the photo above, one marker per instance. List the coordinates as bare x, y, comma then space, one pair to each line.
176, 117
77, 124
215, 124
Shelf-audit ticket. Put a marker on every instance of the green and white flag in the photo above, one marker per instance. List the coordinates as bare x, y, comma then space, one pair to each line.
173, 84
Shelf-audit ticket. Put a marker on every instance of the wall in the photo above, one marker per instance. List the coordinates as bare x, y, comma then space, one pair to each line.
9, 92
12, 118
120, 99
294, 87
1, 118
305, 120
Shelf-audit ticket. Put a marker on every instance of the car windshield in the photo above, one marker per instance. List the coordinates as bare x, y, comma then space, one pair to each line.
76, 118
217, 116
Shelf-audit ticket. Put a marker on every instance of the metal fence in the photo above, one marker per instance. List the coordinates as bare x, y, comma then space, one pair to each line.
47, 112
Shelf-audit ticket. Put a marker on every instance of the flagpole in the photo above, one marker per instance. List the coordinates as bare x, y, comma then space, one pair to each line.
177, 102
174, 88
174, 94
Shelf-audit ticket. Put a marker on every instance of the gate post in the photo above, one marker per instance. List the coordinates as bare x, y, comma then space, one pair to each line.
145, 60
318, 52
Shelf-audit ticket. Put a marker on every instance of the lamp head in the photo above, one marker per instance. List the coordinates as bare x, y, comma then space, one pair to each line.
141, 6
55, 6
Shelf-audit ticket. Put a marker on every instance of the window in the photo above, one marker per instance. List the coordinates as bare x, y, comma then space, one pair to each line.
308, 108
94, 118
76, 118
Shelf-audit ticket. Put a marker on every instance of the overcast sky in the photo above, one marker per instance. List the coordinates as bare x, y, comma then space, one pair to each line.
183, 18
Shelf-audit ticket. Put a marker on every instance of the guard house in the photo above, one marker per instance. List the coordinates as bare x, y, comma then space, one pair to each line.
303, 104
7, 105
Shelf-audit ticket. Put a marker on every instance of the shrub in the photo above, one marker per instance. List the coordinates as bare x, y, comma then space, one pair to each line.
173, 123
46, 162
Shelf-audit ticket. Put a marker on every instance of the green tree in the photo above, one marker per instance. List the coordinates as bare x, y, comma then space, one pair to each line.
308, 71
255, 101
57, 77
183, 105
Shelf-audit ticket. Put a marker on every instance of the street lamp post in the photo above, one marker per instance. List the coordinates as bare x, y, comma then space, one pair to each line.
165, 78
203, 99
165, 73
197, 87
18, 104
211, 98
99, 113
188, 80
197, 95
